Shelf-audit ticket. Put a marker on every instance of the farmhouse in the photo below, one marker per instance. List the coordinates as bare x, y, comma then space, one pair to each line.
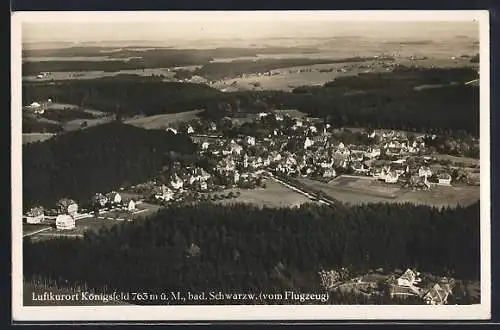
131, 205
176, 183
164, 193
329, 173
438, 294
391, 177
409, 278
68, 206
35, 215
114, 198
65, 222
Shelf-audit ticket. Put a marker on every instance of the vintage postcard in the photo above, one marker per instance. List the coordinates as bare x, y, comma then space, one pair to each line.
213, 166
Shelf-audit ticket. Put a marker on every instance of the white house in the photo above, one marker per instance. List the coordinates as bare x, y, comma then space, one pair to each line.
177, 183
131, 205
329, 173
190, 129
236, 177
68, 206
236, 148
203, 185
35, 105
165, 194
250, 140
444, 179
115, 198
35, 215
437, 295
308, 143
391, 177
173, 130
409, 278
205, 145
65, 222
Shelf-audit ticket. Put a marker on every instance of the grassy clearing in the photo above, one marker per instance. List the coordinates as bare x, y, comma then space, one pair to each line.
76, 124
162, 121
470, 162
274, 195
35, 137
353, 190
291, 113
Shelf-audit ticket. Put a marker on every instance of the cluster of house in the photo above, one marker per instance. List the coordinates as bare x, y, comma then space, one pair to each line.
317, 153
67, 210
407, 285
189, 178
112, 200
67, 213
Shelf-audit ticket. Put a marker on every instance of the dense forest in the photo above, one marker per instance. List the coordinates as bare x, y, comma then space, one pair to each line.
376, 100
81, 163
241, 248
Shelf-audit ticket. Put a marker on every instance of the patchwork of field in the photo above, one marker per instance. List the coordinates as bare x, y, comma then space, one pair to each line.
61, 75
361, 190
162, 121
273, 195
286, 79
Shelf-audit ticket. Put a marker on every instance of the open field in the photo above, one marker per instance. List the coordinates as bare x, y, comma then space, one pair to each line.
290, 112
35, 137
76, 124
29, 229
62, 106
162, 121
274, 195
100, 74
470, 162
354, 190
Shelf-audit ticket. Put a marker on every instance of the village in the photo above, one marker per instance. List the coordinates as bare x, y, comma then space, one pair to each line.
429, 289
283, 147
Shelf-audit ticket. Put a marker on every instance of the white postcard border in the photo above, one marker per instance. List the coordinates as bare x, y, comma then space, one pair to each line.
481, 311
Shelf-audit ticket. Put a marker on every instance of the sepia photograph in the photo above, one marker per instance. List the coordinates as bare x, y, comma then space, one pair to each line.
289, 165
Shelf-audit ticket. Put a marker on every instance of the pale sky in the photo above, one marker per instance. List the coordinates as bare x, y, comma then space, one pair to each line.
244, 29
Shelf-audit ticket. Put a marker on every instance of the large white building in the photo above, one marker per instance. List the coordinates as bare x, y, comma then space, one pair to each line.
65, 222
